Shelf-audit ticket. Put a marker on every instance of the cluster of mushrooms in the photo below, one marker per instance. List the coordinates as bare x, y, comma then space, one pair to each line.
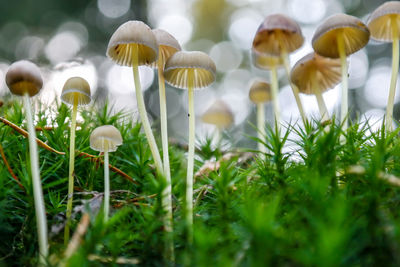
134, 44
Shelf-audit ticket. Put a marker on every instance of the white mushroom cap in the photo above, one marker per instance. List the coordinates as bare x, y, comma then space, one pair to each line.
260, 92
76, 87
200, 64
218, 114
24, 77
381, 21
130, 34
265, 61
106, 136
167, 46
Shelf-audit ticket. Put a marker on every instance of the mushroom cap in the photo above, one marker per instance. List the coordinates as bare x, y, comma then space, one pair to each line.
127, 36
380, 21
105, 136
260, 92
278, 32
326, 71
24, 77
265, 61
76, 86
218, 114
355, 35
178, 65
167, 46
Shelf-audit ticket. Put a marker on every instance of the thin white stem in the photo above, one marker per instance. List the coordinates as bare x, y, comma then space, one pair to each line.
167, 192
344, 105
71, 172
395, 71
106, 183
37, 185
275, 99
189, 177
143, 112
323, 111
261, 126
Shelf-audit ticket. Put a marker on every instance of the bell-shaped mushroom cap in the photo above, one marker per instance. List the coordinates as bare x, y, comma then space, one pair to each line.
260, 92
265, 61
218, 114
177, 67
76, 87
130, 34
355, 35
325, 71
277, 33
24, 77
380, 22
167, 46
105, 137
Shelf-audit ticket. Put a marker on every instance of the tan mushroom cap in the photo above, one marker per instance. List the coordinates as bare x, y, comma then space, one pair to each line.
326, 71
128, 35
380, 22
355, 35
265, 61
76, 87
277, 33
167, 46
260, 92
106, 136
178, 65
24, 77
218, 114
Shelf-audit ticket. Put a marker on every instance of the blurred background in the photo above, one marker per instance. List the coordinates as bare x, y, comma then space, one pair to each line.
69, 37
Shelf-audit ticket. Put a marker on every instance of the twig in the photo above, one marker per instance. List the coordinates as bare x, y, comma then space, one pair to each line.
9, 168
118, 260
135, 201
390, 178
76, 239
45, 128
25, 134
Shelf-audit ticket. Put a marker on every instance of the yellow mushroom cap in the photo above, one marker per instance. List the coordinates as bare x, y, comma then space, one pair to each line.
265, 61
278, 33
326, 71
167, 46
177, 67
106, 136
76, 87
218, 114
24, 77
380, 22
260, 92
127, 35
355, 35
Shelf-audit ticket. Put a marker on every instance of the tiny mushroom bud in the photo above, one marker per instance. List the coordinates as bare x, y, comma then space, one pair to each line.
190, 70
76, 92
106, 139
218, 114
23, 78
384, 26
339, 36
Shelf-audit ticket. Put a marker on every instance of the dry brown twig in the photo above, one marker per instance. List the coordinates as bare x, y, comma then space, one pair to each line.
15, 177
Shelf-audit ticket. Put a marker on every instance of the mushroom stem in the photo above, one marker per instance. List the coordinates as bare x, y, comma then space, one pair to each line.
344, 106
321, 103
218, 136
295, 90
395, 70
261, 127
167, 198
274, 92
142, 110
189, 177
71, 173
106, 183
37, 186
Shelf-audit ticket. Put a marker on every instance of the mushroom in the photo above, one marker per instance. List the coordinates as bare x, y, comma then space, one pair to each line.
134, 44
384, 26
23, 78
259, 94
76, 92
280, 35
337, 37
106, 139
315, 74
191, 71
220, 115
268, 62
